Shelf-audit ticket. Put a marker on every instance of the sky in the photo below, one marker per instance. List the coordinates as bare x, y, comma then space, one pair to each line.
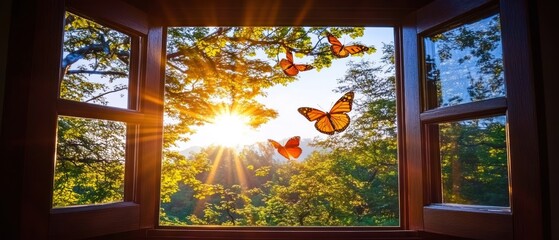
312, 89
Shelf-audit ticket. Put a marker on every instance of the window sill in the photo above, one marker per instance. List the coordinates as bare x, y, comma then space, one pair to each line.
292, 233
93, 220
469, 221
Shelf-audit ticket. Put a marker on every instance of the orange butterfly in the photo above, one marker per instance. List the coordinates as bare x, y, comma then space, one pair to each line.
336, 120
291, 149
290, 68
342, 51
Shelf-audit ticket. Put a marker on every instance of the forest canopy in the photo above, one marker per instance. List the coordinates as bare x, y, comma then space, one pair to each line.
349, 178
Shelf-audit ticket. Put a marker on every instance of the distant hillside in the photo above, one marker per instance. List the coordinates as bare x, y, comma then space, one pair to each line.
304, 145
187, 151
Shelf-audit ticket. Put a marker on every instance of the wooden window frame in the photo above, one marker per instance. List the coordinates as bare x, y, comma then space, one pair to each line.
275, 232
462, 221
228, 14
38, 218
92, 220
31, 133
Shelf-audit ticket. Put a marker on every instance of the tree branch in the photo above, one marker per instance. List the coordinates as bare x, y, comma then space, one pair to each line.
218, 32
122, 74
75, 56
106, 93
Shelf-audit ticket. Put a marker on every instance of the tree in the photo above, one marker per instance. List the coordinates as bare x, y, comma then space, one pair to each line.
472, 152
222, 69
474, 162
211, 70
356, 183
89, 164
366, 153
475, 50
90, 154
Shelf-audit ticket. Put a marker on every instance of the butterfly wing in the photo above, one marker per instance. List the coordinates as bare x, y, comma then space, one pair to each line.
291, 69
322, 121
293, 142
341, 51
283, 151
288, 67
339, 122
280, 148
311, 113
337, 116
344, 104
292, 147
274, 143
336, 120
344, 51
324, 125
303, 67
337, 47
289, 56
357, 48
333, 40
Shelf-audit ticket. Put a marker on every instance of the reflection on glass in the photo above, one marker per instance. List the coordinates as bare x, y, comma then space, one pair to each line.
465, 64
89, 162
474, 162
226, 95
95, 63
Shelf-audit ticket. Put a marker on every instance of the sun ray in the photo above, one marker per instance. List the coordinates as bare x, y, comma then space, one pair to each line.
241, 175
209, 180
229, 128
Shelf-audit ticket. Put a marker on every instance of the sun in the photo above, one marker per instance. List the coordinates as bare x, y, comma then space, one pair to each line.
229, 130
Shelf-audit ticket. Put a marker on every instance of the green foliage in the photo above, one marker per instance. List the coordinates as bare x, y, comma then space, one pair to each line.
89, 162
473, 153
474, 162
475, 49
222, 69
211, 70
354, 182
90, 154
96, 51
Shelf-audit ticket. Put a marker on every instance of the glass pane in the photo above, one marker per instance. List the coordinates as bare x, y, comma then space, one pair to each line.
95, 64
465, 64
474, 162
239, 148
90, 156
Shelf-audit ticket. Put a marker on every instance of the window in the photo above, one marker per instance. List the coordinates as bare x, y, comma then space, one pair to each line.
473, 162
95, 63
464, 64
464, 121
91, 153
464, 67
432, 121
90, 162
240, 151
100, 117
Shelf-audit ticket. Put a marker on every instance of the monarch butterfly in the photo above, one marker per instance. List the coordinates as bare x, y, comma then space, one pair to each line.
342, 51
291, 149
290, 68
336, 120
